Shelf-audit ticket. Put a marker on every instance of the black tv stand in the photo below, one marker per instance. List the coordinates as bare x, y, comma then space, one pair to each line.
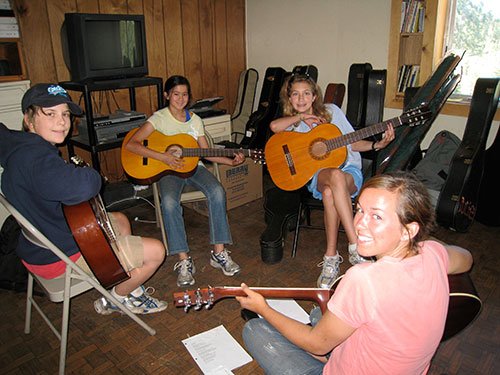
87, 87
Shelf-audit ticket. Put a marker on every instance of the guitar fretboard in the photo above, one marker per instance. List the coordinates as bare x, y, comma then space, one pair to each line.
214, 152
363, 133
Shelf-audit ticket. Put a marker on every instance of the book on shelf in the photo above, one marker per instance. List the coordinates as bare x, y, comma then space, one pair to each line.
408, 76
412, 16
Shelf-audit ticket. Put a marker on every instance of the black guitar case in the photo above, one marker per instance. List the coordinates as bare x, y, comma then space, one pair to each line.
457, 203
357, 85
374, 111
488, 204
257, 130
435, 91
281, 208
308, 70
244, 103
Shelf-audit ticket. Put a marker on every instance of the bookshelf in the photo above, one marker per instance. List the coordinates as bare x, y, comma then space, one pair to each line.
415, 45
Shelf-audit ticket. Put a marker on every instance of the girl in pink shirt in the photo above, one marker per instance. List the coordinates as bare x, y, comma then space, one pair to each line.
385, 317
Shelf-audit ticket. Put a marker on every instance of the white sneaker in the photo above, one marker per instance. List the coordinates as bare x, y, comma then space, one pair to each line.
330, 271
354, 257
186, 270
224, 261
144, 304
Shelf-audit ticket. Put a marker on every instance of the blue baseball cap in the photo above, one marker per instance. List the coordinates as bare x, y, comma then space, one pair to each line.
48, 95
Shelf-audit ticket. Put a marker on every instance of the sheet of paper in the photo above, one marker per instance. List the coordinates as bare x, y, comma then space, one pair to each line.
216, 352
290, 308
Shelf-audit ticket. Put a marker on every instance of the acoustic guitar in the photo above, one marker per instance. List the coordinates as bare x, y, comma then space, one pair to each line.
90, 225
463, 308
293, 158
143, 170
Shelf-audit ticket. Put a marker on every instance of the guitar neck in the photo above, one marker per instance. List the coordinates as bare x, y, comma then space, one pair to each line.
320, 296
214, 152
363, 133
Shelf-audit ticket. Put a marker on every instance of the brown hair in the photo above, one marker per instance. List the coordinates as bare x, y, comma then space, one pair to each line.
318, 106
413, 206
31, 112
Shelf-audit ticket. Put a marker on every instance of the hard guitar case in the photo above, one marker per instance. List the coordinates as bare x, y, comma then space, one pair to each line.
244, 104
308, 70
457, 203
438, 87
257, 130
488, 205
374, 107
281, 209
357, 85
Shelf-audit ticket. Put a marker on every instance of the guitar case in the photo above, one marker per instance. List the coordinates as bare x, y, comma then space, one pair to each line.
457, 203
308, 70
244, 104
488, 205
435, 91
356, 94
374, 110
335, 94
281, 208
257, 130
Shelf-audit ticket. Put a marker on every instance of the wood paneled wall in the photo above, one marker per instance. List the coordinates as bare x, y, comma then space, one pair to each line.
203, 40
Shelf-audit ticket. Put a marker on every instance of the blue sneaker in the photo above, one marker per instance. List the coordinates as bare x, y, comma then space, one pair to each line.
144, 304
223, 261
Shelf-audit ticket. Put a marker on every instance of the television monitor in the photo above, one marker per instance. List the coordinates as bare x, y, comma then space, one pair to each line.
104, 46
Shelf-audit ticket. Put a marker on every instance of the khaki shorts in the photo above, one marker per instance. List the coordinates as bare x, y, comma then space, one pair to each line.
130, 251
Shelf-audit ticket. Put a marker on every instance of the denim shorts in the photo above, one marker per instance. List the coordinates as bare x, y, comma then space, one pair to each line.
353, 171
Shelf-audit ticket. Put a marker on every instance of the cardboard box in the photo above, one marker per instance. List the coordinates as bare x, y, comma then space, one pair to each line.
242, 183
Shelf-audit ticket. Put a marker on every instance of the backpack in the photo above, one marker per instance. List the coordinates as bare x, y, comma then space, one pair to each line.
13, 274
433, 169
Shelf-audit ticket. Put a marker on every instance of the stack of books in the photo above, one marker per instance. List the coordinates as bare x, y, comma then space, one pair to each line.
408, 76
412, 16
8, 23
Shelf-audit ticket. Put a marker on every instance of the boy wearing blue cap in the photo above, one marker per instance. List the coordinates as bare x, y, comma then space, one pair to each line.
37, 181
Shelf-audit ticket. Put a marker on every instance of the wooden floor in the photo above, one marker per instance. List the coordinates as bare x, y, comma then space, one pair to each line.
115, 345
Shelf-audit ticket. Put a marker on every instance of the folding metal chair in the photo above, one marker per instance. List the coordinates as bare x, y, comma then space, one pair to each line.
75, 282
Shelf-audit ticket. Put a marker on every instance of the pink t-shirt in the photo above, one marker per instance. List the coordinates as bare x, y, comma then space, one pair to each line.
398, 308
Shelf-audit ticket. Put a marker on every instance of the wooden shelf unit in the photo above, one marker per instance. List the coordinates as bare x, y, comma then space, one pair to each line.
419, 48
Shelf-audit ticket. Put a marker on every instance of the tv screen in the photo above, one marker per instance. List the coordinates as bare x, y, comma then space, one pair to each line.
104, 46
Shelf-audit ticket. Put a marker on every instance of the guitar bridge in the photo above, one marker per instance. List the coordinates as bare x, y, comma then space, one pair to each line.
289, 160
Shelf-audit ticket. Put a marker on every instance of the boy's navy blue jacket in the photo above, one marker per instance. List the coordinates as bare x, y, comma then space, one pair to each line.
37, 181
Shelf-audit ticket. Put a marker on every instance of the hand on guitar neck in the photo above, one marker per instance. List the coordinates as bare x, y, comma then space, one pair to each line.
465, 305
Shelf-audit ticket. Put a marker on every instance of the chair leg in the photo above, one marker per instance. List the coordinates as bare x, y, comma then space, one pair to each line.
297, 229
159, 216
29, 296
65, 321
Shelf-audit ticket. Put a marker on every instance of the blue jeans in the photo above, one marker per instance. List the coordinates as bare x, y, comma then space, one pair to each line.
275, 354
171, 188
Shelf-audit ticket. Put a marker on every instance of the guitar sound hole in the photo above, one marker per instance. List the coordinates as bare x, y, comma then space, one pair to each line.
318, 149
